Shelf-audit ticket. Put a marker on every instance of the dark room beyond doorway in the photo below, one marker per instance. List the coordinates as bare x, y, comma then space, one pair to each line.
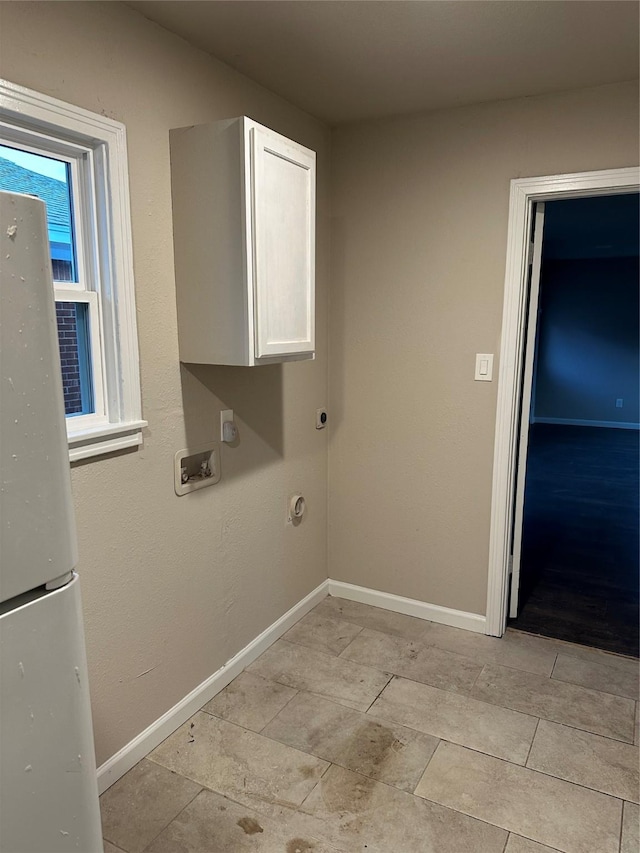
579, 565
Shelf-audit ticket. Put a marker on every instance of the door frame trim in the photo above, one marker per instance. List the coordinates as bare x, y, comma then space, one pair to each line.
523, 195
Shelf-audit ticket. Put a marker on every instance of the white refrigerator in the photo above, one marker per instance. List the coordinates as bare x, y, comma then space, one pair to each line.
48, 785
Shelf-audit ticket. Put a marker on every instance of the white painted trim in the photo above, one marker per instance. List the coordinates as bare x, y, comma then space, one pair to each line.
108, 444
142, 744
524, 192
408, 606
577, 422
25, 113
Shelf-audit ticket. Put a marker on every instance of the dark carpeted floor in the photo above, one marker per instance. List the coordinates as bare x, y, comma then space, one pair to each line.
580, 556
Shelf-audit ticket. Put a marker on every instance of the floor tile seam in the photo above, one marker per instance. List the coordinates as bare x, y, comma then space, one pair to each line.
406, 793
423, 646
561, 723
509, 832
250, 808
308, 794
272, 740
425, 643
315, 648
232, 723
494, 705
541, 773
475, 680
594, 734
290, 699
417, 619
570, 645
368, 627
324, 654
442, 739
506, 842
549, 719
338, 763
274, 679
606, 692
531, 744
124, 849
433, 687
184, 775
388, 722
561, 681
336, 704
177, 815
484, 663
464, 814
465, 695
312, 694
253, 806
459, 692
325, 696
579, 784
422, 641
603, 664
538, 674
259, 731
371, 704
621, 829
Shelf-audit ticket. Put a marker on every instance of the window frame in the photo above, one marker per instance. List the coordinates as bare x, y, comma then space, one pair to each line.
95, 147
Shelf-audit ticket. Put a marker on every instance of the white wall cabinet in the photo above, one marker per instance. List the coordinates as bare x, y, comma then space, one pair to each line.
244, 243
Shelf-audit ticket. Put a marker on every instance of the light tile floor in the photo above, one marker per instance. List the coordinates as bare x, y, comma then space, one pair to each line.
364, 730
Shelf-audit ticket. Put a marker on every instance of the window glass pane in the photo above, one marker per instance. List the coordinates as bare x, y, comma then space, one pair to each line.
73, 337
50, 180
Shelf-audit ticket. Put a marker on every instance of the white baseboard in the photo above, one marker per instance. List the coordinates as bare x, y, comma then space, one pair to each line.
575, 422
409, 606
142, 744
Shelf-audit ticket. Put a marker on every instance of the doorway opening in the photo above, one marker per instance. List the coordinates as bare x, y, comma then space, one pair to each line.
575, 572
525, 195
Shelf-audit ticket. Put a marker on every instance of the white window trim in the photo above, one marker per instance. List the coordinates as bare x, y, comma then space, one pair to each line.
80, 423
106, 138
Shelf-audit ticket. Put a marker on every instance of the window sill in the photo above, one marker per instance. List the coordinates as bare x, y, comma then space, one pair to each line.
107, 438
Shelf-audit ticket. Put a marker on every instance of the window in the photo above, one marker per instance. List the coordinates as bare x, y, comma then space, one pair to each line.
76, 162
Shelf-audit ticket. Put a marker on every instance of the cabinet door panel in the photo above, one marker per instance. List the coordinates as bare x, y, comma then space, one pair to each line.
284, 246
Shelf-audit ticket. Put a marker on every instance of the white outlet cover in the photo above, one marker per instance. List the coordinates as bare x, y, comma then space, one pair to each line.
226, 416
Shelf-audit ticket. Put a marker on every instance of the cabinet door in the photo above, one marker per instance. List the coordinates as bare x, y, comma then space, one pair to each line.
283, 199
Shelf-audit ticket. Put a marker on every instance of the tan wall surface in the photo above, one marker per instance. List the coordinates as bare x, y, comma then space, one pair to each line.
179, 585
420, 209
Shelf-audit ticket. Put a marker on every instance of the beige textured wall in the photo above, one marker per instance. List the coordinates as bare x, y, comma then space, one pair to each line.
420, 209
180, 584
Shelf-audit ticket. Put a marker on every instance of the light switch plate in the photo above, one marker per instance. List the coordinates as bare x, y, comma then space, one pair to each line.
484, 367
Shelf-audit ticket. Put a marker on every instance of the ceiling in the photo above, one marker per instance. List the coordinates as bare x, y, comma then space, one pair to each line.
346, 60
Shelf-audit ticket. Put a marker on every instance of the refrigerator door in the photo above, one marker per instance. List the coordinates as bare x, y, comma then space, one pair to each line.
37, 532
48, 783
